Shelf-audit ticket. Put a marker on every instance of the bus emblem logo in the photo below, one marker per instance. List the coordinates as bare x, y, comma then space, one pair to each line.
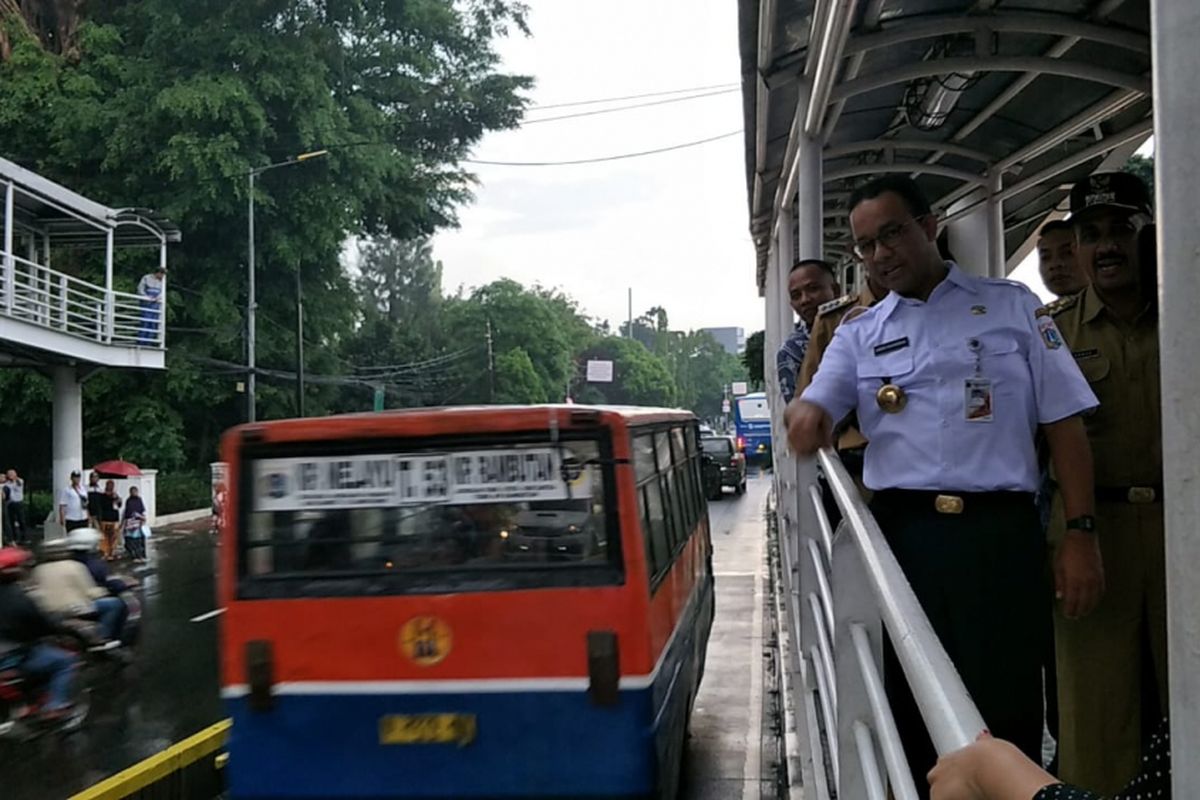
426, 640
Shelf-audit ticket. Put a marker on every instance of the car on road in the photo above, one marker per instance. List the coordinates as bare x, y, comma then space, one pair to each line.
724, 450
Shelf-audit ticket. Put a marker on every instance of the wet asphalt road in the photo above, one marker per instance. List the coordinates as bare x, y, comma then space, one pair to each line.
171, 689
167, 694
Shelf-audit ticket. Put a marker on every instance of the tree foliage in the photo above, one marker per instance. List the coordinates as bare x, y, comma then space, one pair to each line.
752, 359
169, 105
639, 377
1143, 167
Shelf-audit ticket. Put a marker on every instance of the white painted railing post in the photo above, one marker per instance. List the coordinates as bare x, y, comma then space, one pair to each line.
109, 299
8, 247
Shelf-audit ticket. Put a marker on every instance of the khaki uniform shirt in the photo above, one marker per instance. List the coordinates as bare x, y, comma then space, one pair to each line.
828, 318
1120, 361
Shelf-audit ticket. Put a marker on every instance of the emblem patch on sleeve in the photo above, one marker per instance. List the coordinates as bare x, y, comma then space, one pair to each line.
1050, 335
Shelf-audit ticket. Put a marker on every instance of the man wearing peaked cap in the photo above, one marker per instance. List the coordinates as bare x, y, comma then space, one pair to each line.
1111, 329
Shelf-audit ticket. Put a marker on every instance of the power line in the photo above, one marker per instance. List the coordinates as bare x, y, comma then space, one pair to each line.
634, 96
626, 108
601, 159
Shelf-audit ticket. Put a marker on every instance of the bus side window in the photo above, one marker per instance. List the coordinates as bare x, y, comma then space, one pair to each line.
683, 479
670, 489
650, 501
656, 528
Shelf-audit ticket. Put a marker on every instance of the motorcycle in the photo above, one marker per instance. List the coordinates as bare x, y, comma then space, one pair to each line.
23, 699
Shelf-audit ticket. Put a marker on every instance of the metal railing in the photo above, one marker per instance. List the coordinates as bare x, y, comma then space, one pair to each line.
841, 589
53, 300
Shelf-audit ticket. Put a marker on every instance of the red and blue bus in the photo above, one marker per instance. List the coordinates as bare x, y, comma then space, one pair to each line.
464, 603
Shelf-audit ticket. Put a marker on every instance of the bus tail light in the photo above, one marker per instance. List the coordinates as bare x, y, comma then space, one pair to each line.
741, 444
604, 669
260, 674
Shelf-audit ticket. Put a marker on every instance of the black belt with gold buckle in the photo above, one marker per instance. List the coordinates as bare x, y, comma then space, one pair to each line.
1134, 495
950, 502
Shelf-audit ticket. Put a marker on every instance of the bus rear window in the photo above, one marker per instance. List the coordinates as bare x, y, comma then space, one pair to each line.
473, 518
753, 408
718, 446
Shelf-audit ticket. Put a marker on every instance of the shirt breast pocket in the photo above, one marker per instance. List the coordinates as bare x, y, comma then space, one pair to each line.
998, 357
1095, 368
887, 368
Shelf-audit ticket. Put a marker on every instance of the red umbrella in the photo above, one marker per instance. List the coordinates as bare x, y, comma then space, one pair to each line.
116, 469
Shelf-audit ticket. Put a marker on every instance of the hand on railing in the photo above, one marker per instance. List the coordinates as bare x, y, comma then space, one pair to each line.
809, 427
989, 769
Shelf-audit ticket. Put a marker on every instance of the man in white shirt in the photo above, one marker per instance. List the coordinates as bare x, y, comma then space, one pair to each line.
150, 289
73, 505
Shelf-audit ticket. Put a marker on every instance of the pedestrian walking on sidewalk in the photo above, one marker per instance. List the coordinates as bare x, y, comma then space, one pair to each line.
15, 508
110, 518
133, 520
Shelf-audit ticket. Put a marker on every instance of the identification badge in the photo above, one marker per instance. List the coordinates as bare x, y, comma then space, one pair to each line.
978, 400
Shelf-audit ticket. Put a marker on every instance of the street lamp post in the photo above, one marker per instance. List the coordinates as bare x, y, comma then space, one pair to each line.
251, 302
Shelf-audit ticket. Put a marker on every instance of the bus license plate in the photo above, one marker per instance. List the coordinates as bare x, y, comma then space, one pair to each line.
456, 729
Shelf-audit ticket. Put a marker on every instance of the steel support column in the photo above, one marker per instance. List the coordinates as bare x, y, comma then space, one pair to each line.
995, 225
810, 218
67, 433
1175, 29
784, 250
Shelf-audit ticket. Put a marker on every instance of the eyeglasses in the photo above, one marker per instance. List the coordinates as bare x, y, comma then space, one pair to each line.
889, 237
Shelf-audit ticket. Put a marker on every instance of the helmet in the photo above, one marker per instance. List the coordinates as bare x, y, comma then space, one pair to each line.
12, 560
55, 550
85, 539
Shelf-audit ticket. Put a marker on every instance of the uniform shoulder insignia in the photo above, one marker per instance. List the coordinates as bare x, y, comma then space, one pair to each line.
1058, 306
836, 304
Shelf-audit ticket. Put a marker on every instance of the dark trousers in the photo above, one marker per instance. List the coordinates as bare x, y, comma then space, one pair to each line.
980, 579
16, 518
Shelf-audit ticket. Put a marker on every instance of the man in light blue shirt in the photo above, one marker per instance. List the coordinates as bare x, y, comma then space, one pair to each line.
952, 376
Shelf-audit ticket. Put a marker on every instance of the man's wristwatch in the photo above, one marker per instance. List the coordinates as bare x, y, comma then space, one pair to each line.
1086, 523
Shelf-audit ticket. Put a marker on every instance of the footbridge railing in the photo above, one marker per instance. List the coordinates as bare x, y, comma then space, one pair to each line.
842, 589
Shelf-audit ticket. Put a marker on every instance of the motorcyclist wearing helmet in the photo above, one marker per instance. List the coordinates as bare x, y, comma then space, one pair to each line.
66, 588
84, 545
23, 624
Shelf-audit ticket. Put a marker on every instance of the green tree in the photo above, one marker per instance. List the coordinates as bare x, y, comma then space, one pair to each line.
752, 359
516, 380
170, 104
544, 323
702, 370
639, 377
1143, 167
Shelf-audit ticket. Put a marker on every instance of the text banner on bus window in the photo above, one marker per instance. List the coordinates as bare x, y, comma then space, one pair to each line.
385, 480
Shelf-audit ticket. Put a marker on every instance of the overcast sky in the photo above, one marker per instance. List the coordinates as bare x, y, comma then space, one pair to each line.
673, 227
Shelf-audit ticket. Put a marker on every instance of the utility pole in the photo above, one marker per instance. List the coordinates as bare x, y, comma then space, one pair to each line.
251, 299
630, 329
491, 365
251, 305
299, 345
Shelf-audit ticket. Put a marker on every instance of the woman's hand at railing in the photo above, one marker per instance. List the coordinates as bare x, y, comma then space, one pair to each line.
809, 427
989, 769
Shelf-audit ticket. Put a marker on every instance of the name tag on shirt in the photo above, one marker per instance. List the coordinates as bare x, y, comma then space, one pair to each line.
977, 400
891, 347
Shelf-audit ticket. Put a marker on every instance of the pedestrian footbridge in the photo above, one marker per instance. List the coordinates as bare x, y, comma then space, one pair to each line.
64, 308
996, 109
